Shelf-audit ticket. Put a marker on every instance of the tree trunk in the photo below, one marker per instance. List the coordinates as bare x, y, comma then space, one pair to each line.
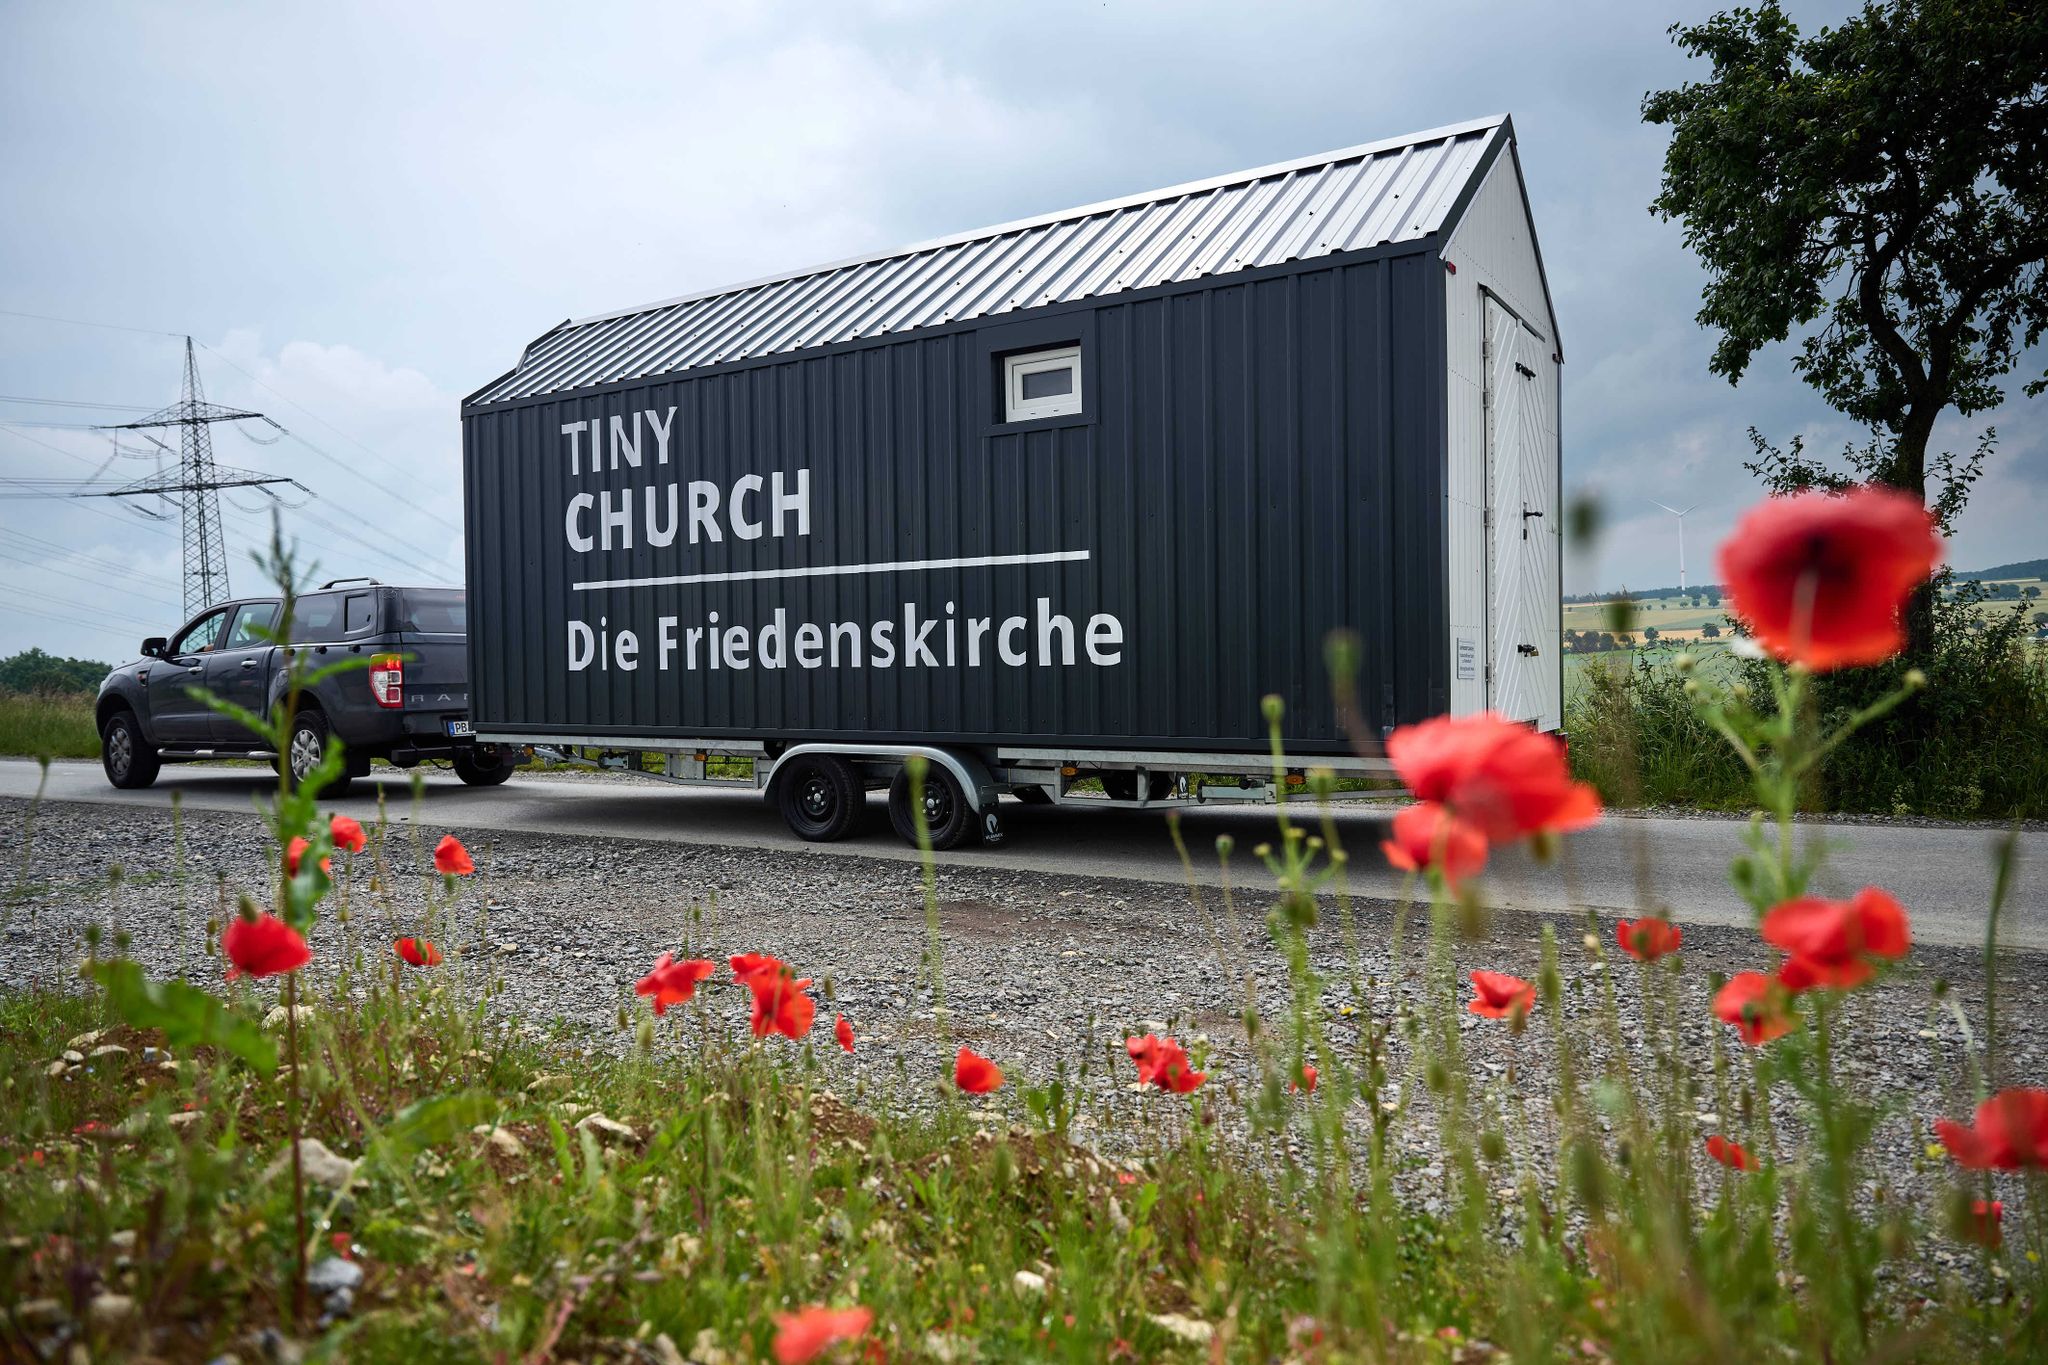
1908, 472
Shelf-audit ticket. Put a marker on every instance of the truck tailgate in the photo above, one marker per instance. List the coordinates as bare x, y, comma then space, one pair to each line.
436, 674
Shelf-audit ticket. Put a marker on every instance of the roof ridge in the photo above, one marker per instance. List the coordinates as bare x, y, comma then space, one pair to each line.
1082, 212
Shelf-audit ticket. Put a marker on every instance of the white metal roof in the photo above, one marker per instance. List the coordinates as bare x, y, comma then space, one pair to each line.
1399, 190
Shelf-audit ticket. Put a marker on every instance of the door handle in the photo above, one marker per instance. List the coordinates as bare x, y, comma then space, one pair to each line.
195, 669
248, 665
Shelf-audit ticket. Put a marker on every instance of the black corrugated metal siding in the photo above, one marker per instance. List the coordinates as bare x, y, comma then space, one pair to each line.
1262, 460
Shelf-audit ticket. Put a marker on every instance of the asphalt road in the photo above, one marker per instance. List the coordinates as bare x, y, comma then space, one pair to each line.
1943, 876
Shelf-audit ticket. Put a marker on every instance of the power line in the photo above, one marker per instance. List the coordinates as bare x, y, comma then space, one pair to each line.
80, 322
51, 547
74, 403
93, 581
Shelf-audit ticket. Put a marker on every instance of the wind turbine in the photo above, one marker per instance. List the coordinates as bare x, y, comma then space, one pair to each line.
1681, 539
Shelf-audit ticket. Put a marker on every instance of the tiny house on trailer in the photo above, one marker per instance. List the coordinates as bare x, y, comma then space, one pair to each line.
1059, 499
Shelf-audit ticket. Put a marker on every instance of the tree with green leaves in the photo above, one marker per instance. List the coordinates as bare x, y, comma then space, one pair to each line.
1876, 191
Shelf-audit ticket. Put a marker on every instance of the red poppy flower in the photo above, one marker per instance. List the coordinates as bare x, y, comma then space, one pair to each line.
1307, 1081
294, 851
2010, 1131
1834, 943
974, 1073
1164, 1063
1648, 939
1755, 1005
780, 1005
1500, 996
1733, 1155
843, 1031
1986, 1223
417, 952
804, 1334
1819, 578
1503, 779
451, 859
264, 946
1427, 835
671, 982
347, 834
745, 965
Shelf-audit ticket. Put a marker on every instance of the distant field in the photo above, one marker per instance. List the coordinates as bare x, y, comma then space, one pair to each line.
1684, 619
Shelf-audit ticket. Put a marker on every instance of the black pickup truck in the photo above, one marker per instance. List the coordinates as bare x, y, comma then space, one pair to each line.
409, 702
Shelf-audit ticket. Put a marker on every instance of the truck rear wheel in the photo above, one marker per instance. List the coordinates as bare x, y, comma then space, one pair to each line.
820, 796
1122, 785
128, 758
947, 819
482, 772
306, 746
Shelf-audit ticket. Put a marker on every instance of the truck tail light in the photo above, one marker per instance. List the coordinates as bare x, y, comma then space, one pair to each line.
387, 680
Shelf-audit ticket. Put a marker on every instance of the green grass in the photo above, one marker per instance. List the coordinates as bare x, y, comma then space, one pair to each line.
40, 724
752, 1177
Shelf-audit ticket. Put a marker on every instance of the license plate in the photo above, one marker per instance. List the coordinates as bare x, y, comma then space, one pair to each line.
459, 729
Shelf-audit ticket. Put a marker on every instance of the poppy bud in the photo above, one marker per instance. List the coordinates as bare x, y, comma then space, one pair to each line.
622, 1018
1891, 1235
644, 1035
1339, 857
1340, 653
1544, 845
1437, 1077
1005, 1165
1224, 844
1692, 688
92, 936
114, 877
1262, 850
1914, 680
1685, 663
1492, 1145
246, 909
1272, 707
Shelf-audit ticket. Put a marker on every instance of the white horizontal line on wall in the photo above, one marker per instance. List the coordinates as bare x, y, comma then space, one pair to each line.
833, 570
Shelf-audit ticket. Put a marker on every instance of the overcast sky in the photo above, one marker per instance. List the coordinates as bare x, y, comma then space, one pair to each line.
363, 212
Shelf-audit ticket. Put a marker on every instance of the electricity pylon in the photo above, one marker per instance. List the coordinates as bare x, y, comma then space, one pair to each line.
197, 484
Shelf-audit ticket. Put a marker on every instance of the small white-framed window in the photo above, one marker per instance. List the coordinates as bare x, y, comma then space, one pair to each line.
1042, 384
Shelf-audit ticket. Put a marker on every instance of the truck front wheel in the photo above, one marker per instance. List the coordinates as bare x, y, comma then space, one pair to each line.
129, 759
820, 796
948, 820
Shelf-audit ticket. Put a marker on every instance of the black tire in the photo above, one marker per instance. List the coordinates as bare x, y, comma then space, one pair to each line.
1122, 785
480, 772
129, 759
947, 818
1033, 796
306, 746
820, 797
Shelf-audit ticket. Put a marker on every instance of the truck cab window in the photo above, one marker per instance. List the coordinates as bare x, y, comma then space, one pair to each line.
201, 636
251, 622
317, 619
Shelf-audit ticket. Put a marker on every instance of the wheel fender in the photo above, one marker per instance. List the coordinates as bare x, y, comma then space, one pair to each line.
969, 771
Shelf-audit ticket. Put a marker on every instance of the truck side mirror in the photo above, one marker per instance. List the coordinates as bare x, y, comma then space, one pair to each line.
155, 646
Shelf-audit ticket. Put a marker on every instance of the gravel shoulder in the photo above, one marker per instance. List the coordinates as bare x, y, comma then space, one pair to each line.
1040, 970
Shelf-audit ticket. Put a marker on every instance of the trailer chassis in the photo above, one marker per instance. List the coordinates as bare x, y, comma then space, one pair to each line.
820, 787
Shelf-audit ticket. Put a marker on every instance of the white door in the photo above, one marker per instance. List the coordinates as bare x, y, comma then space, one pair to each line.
1523, 680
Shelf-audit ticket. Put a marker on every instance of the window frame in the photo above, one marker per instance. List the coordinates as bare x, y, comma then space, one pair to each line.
245, 611
1018, 364
179, 643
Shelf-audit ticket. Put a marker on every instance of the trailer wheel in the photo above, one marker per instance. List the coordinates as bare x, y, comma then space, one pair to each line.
947, 818
820, 796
